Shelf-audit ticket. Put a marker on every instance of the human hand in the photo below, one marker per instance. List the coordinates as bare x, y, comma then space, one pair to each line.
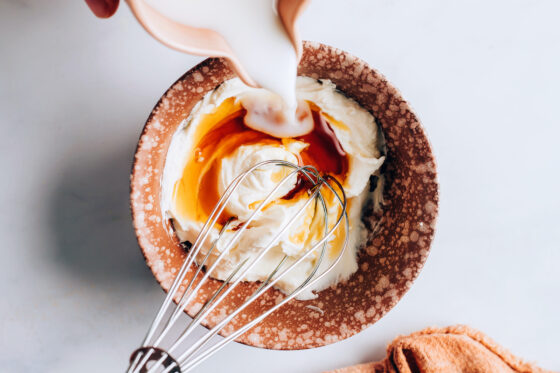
103, 8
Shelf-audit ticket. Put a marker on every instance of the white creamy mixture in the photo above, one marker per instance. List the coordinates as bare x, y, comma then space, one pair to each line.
358, 134
253, 31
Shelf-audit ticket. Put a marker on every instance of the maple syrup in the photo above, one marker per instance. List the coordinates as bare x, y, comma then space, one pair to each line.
220, 133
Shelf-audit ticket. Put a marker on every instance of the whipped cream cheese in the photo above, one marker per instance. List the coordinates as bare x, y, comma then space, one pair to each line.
360, 140
259, 184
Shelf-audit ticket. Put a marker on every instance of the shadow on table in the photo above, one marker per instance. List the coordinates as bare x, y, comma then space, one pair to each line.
91, 221
377, 353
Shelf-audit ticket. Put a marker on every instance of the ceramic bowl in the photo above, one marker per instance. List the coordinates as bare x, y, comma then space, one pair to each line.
394, 253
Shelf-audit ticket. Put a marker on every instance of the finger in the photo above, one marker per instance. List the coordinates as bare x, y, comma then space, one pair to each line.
103, 8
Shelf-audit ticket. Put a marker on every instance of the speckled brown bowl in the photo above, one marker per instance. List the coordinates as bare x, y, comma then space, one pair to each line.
393, 255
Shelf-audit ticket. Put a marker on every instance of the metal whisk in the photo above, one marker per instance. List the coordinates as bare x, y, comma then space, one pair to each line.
155, 356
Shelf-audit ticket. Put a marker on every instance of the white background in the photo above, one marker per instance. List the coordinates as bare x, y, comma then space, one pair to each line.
483, 76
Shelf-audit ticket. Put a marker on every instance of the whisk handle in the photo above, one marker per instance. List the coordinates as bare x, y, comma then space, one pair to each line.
153, 354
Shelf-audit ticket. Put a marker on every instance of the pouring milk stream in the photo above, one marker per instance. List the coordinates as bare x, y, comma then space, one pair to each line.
255, 33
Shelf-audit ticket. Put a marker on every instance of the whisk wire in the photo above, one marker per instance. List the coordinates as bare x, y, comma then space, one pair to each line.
251, 265
225, 251
201, 238
210, 222
187, 366
193, 356
265, 286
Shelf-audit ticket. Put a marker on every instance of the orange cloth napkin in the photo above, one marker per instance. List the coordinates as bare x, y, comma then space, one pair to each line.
455, 349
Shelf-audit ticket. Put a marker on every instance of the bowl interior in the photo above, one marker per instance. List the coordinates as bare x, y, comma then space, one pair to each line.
397, 245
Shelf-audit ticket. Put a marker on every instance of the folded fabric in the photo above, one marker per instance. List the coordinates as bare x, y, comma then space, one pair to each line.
455, 349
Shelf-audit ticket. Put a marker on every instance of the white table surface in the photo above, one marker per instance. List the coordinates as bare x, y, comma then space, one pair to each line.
483, 76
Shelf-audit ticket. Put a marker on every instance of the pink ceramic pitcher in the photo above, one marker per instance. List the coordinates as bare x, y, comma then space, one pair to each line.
205, 42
